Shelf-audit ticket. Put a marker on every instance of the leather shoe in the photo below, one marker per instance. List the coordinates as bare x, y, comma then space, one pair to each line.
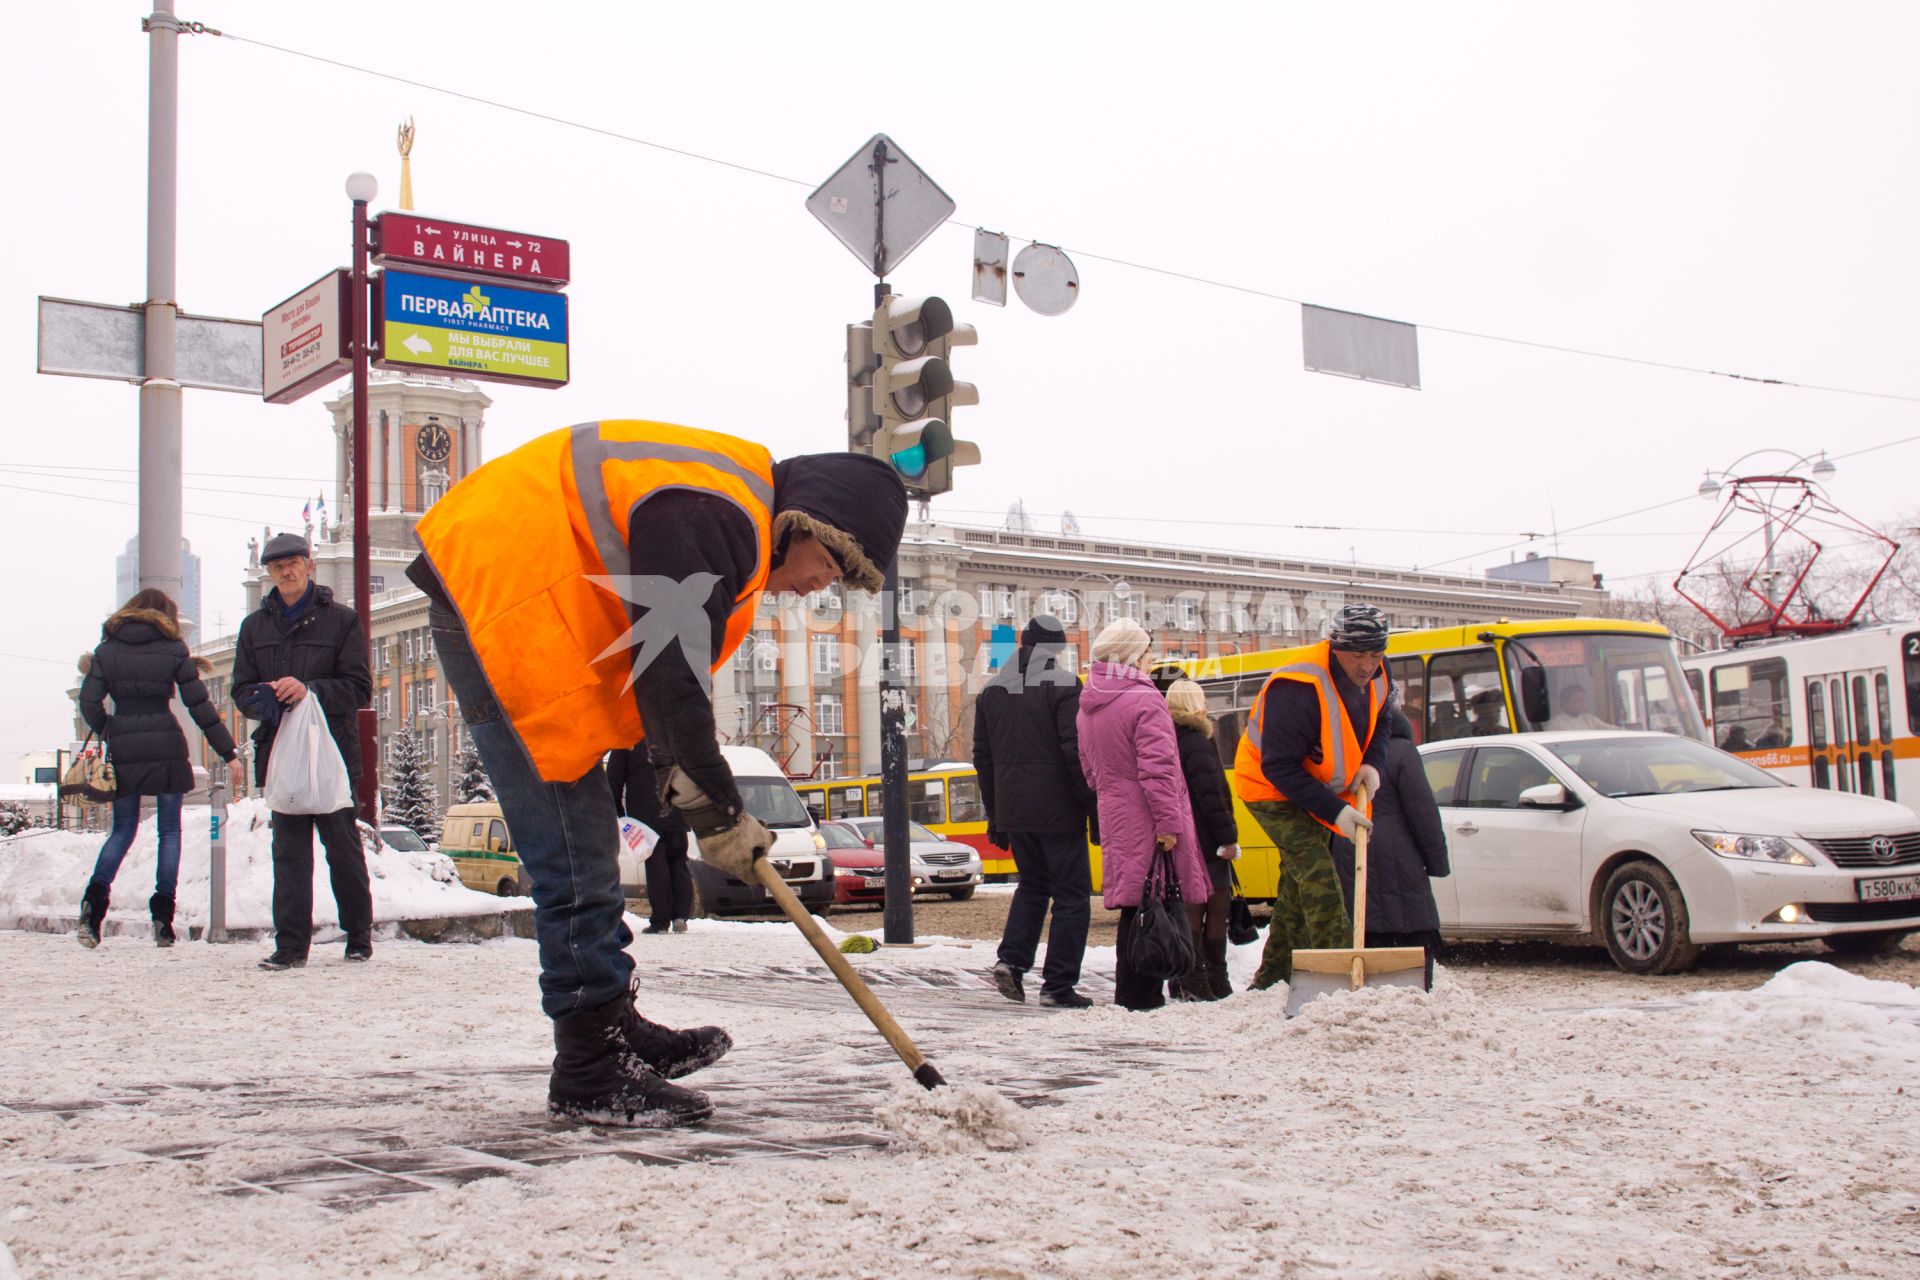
1068, 999
655, 928
358, 952
1007, 979
281, 960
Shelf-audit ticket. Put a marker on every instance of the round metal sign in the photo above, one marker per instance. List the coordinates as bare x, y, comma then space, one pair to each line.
1045, 279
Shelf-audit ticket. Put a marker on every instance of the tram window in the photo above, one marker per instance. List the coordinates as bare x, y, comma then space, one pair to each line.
1837, 699
965, 801
1410, 675
1886, 776
1883, 704
1910, 650
1750, 705
846, 803
1699, 690
816, 804
1452, 681
1866, 773
1821, 778
1817, 715
1862, 717
927, 801
876, 806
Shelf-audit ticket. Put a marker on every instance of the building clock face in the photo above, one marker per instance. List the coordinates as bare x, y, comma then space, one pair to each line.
434, 442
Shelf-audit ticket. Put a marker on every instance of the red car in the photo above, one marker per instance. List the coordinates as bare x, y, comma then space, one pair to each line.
859, 869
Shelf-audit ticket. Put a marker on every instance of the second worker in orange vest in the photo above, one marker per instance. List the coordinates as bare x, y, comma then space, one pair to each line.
1312, 741
583, 589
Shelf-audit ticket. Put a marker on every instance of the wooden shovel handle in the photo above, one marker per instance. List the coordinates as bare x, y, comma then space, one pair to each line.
776, 888
1360, 835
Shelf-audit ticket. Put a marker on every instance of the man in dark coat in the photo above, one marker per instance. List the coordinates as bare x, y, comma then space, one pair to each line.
1408, 845
636, 794
1026, 747
301, 641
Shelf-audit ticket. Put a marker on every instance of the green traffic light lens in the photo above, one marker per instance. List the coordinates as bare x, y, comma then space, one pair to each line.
911, 463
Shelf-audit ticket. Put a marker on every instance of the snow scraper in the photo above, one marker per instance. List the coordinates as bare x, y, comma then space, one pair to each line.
923, 1071
1326, 971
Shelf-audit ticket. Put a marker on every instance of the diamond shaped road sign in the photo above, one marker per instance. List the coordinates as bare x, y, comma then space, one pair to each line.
881, 205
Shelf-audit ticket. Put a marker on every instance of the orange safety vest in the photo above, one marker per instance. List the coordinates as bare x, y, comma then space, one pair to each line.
1341, 750
517, 542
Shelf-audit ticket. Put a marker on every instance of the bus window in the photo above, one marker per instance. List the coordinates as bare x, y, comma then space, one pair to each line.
1410, 675
1910, 649
1453, 681
1750, 705
1699, 690
1883, 704
927, 801
965, 804
845, 803
1862, 715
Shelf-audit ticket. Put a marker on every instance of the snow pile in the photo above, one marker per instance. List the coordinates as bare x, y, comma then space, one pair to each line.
953, 1118
1870, 1021
43, 873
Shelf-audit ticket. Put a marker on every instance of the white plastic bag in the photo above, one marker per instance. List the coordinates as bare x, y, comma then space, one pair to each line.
305, 773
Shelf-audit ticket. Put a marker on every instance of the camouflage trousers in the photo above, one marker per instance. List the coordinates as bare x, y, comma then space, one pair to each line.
1309, 910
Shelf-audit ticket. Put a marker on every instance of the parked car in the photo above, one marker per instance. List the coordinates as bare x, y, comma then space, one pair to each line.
939, 866
859, 869
799, 852
403, 839
1655, 845
475, 836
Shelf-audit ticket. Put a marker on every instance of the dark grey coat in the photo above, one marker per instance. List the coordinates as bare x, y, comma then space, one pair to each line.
140, 662
325, 650
1407, 846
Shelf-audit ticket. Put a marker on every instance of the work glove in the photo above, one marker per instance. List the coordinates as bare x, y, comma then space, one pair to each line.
1369, 780
1350, 821
998, 839
734, 849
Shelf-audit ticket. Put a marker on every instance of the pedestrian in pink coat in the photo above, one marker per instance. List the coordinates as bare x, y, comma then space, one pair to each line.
1132, 761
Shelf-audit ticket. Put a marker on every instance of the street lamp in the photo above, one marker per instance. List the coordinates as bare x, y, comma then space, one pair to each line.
1819, 466
361, 189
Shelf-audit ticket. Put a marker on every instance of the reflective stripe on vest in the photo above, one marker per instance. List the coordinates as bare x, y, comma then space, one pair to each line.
1339, 764
532, 549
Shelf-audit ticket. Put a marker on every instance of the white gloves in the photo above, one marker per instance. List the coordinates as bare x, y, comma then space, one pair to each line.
1369, 780
1352, 820
734, 849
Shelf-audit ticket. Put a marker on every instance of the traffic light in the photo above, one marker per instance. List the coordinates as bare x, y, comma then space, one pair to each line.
913, 391
860, 424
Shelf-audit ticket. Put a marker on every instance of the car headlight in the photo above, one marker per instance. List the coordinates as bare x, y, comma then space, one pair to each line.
1778, 849
819, 841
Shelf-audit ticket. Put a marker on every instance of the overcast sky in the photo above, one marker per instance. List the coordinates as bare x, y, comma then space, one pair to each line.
1723, 187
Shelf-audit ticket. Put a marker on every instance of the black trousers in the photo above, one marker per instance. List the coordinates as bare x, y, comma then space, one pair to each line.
669, 886
1053, 870
293, 877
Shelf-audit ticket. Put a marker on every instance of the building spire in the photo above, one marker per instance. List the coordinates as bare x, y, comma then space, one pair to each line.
406, 165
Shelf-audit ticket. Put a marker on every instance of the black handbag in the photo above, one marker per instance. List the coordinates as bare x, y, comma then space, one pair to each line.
1240, 926
1160, 947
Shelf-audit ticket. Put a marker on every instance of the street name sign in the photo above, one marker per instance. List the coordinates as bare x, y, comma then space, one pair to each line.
435, 243
306, 341
100, 340
471, 328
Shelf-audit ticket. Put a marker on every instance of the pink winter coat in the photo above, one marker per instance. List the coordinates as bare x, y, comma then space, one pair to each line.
1132, 761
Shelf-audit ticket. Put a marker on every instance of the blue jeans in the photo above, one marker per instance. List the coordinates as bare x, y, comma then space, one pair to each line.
566, 833
126, 824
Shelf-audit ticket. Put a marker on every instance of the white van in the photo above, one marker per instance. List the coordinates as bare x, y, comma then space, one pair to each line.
799, 851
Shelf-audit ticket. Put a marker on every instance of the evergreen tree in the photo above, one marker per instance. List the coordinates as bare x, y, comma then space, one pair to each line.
471, 783
14, 818
409, 791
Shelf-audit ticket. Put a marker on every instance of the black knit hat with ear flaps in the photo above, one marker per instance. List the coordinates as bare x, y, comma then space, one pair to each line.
856, 506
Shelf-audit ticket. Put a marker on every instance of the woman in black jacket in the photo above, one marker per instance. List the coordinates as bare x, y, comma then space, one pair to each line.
1407, 846
1219, 834
139, 663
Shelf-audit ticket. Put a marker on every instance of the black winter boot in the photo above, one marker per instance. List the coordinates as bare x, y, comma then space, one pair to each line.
598, 1079
162, 908
672, 1053
93, 910
1216, 962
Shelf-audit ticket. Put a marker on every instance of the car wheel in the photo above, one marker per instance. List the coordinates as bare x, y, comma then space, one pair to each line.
1643, 920
1879, 942
507, 888
960, 895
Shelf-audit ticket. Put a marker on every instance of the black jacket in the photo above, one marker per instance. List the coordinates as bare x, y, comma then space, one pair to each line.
1026, 746
1213, 819
324, 649
1407, 845
140, 662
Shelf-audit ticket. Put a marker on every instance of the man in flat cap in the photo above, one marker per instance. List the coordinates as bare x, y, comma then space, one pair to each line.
302, 643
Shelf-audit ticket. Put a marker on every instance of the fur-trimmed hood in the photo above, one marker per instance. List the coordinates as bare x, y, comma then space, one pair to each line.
159, 621
1196, 720
852, 504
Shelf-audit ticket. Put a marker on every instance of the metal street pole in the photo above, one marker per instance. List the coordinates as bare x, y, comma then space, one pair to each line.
362, 188
217, 859
897, 916
160, 431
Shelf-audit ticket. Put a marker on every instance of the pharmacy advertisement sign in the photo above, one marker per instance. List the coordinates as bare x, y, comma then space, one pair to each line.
471, 328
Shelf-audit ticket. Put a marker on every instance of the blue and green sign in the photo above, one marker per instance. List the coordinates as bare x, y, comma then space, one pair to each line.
473, 329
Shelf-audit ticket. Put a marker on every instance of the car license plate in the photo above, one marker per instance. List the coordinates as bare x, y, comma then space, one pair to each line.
950, 875
1889, 890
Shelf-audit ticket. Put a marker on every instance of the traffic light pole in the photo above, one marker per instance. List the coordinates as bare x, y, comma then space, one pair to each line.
897, 917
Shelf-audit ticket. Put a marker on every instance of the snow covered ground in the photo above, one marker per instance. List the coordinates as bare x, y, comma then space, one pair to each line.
1492, 1128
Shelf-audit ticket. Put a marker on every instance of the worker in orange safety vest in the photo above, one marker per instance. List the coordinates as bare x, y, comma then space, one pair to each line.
583, 589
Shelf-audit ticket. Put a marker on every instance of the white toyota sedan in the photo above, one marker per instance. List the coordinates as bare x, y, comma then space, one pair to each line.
1657, 845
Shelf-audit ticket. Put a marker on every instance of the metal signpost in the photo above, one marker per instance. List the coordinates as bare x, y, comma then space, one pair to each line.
881, 206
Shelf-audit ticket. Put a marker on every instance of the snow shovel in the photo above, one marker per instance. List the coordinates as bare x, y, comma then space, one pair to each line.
923, 1071
1328, 970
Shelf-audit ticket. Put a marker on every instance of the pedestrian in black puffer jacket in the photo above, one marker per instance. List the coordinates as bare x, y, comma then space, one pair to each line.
1408, 844
140, 663
302, 643
1219, 834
